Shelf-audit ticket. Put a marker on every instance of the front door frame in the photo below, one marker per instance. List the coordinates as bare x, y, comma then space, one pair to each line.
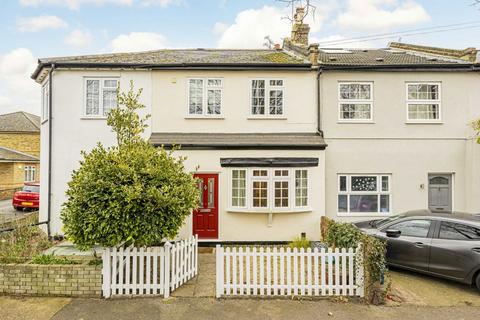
216, 204
452, 188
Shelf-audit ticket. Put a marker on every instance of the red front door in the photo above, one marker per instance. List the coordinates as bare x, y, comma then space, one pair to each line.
205, 218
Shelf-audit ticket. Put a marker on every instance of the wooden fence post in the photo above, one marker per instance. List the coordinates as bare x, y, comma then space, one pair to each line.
219, 264
360, 278
106, 273
167, 252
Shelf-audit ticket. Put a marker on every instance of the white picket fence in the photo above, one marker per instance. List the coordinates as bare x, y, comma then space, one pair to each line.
149, 270
285, 272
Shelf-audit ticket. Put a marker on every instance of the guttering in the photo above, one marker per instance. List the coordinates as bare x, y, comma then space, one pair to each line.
176, 66
201, 146
403, 67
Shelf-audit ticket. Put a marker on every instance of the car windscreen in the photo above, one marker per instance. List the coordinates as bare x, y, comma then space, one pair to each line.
379, 224
34, 189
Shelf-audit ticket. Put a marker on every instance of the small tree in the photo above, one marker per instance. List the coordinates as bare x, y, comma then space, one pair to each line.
131, 193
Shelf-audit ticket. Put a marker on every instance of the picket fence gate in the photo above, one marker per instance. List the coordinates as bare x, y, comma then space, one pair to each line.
279, 272
149, 270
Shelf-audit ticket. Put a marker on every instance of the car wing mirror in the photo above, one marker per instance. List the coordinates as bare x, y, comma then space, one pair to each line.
391, 233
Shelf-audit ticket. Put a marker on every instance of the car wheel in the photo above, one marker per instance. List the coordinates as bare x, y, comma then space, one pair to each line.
477, 281
18, 208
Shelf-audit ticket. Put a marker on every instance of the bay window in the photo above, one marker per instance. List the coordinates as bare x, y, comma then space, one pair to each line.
355, 101
423, 102
364, 193
269, 189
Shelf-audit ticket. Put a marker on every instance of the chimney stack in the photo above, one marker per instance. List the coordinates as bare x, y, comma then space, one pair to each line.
300, 30
313, 54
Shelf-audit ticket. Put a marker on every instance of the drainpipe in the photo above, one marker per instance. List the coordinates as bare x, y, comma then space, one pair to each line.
50, 103
319, 116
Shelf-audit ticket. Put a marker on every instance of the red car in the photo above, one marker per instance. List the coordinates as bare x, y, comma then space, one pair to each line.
28, 197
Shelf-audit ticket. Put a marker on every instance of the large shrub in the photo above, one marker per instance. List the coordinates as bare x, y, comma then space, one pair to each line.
131, 193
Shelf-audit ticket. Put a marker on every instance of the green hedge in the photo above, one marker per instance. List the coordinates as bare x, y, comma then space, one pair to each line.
346, 235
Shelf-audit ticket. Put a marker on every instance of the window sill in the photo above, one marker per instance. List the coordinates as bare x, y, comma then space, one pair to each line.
240, 210
205, 117
363, 214
267, 118
93, 118
356, 121
424, 122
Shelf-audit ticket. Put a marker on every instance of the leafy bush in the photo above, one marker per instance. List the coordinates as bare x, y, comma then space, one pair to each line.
131, 193
300, 242
346, 235
51, 259
23, 242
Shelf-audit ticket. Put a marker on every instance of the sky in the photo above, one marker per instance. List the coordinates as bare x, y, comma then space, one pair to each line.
31, 29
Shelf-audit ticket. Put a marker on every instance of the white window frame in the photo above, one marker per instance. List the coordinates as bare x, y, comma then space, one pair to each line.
101, 80
355, 101
378, 192
30, 173
424, 102
268, 88
45, 109
270, 178
205, 89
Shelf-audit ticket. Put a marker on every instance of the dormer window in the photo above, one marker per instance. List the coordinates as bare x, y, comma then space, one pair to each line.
267, 97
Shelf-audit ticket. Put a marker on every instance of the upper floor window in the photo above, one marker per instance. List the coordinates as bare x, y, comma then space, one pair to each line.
30, 173
45, 101
204, 97
278, 189
423, 102
355, 101
100, 96
267, 97
364, 193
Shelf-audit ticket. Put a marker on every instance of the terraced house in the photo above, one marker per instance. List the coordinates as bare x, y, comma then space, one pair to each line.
281, 136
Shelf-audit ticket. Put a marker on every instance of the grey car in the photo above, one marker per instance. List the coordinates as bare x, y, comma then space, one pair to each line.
446, 245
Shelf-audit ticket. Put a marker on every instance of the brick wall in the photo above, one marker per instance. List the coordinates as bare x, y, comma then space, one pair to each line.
56, 280
23, 142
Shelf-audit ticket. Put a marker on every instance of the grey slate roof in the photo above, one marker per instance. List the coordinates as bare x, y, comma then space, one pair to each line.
9, 155
19, 122
186, 56
381, 57
239, 140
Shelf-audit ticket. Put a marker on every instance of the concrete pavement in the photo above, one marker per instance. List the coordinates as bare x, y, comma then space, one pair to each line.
209, 308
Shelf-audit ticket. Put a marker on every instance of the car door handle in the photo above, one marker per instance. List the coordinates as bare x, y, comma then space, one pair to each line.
477, 250
419, 244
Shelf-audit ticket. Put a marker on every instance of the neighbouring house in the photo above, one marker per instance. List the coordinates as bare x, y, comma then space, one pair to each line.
283, 136
19, 151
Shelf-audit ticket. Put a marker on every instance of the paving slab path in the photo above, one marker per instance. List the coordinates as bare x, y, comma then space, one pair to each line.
203, 285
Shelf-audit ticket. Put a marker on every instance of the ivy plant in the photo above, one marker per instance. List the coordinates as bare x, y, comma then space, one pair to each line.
131, 193
373, 251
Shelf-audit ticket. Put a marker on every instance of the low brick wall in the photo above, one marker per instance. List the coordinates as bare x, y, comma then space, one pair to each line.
55, 280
